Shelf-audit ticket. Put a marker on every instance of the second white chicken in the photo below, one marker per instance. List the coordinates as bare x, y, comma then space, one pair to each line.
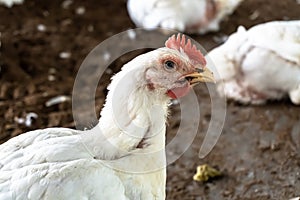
260, 63
192, 16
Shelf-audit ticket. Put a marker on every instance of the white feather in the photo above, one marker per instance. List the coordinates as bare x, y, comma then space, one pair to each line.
60, 163
261, 63
183, 15
10, 3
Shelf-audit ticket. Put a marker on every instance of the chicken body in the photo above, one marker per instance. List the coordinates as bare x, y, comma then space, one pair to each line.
56, 164
192, 16
123, 157
68, 164
261, 63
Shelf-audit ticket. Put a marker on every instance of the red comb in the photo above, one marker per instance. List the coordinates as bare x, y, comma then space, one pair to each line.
179, 43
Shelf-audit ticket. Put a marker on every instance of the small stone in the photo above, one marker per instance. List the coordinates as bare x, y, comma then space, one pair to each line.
66, 22
41, 28
131, 34
109, 71
19, 120
51, 77
254, 15
66, 4
227, 193
90, 28
106, 56
275, 146
52, 70
46, 13
264, 144
250, 175
80, 10
64, 55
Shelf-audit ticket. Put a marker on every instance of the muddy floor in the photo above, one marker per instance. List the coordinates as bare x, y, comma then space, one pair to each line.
43, 44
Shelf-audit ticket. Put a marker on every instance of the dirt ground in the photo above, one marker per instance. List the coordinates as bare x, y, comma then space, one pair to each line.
43, 45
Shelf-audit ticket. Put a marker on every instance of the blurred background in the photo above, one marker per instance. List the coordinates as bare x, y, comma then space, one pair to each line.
43, 44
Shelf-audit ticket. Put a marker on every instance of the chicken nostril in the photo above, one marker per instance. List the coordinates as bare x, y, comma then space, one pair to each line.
189, 79
199, 70
182, 80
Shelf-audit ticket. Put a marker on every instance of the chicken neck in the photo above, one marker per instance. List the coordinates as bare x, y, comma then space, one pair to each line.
133, 118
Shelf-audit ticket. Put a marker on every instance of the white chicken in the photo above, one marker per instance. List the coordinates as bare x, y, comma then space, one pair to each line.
10, 3
192, 16
123, 157
261, 63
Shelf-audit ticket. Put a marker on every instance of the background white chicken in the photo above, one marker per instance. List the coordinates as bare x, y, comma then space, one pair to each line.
261, 63
192, 16
60, 163
10, 3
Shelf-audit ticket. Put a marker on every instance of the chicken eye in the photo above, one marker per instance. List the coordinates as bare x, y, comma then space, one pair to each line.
170, 65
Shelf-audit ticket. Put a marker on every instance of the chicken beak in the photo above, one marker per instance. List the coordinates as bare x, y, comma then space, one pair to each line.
202, 75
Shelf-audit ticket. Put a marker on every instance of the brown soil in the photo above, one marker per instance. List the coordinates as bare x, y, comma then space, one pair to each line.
258, 151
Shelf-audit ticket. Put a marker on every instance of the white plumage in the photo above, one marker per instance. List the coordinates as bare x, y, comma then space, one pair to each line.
53, 164
192, 16
123, 157
10, 3
68, 164
261, 63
